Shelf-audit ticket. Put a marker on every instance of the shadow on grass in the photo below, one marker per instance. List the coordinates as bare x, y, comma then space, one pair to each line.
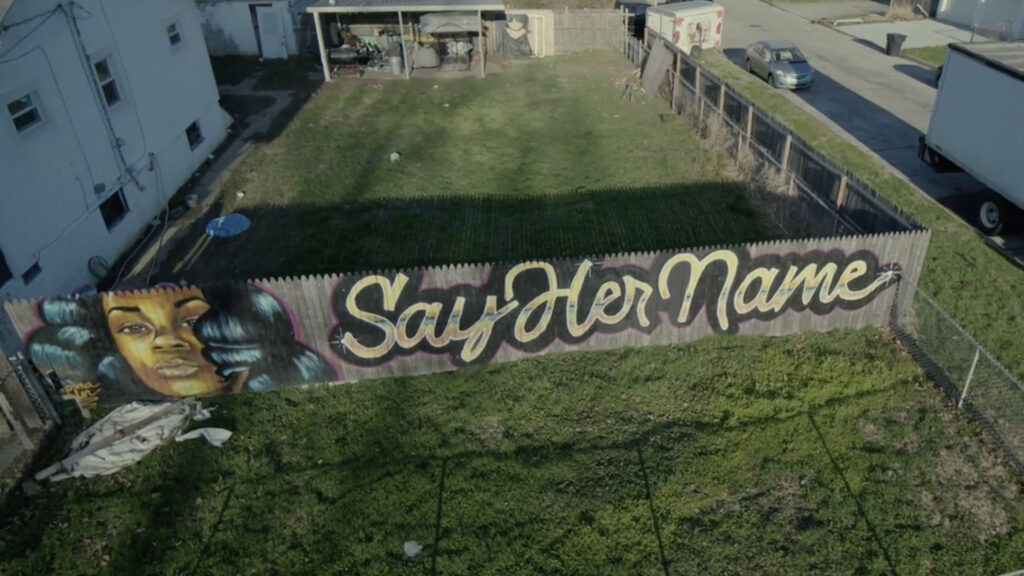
837, 467
413, 232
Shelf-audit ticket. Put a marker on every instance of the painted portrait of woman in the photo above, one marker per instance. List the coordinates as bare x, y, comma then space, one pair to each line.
172, 342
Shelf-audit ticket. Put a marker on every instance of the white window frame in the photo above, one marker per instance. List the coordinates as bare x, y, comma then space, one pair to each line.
108, 59
34, 102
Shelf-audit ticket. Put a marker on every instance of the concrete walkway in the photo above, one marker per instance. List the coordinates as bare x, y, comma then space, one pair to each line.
208, 189
919, 33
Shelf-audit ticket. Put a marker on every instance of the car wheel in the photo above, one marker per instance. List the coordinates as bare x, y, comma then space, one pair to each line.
991, 213
749, 69
771, 80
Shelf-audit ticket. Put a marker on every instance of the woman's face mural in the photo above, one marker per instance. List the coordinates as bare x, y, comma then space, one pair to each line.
153, 332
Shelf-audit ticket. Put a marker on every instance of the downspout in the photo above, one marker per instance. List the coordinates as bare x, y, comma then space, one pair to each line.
68, 8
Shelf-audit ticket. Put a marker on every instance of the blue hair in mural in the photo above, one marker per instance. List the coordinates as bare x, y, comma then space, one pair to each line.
172, 342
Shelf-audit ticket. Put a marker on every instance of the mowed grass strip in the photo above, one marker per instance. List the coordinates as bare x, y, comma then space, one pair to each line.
978, 287
541, 160
817, 453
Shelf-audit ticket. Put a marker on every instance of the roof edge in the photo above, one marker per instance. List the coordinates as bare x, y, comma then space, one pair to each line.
988, 61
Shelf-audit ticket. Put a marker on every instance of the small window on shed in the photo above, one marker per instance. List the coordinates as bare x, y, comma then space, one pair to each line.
114, 209
173, 34
31, 274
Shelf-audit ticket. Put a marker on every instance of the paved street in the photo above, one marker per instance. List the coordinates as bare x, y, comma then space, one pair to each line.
883, 103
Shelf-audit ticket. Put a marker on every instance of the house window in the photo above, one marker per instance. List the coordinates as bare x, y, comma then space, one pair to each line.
24, 113
113, 209
173, 34
5, 271
107, 83
31, 274
194, 135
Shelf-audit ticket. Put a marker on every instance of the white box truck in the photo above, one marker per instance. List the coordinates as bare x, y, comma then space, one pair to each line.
691, 26
977, 126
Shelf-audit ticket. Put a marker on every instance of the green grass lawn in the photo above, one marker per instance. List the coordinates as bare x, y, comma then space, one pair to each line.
973, 283
934, 55
812, 454
543, 159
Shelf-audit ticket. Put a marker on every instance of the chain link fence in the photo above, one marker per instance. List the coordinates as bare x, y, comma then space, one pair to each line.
968, 374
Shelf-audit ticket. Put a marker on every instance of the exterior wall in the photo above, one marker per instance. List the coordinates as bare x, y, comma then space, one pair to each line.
991, 15
228, 27
58, 172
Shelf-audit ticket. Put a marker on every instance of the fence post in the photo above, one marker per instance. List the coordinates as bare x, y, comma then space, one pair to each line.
721, 97
970, 376
675, 79
750, 122
700, 97
784, 161
841, 196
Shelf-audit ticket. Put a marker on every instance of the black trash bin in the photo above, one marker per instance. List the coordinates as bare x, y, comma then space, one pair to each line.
894, 43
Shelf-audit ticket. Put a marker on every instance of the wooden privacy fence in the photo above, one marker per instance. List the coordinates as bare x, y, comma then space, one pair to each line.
580, 30
857, 208
971, 377
180, 341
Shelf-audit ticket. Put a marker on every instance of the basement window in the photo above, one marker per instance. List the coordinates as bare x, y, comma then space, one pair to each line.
5, 270
114, 209
31, 274
107, 82
194, 135
173, 34
24, 113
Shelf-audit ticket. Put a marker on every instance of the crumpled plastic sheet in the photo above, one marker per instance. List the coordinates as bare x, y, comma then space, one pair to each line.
104, 448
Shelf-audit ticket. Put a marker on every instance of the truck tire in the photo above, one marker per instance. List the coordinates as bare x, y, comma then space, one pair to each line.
991, 213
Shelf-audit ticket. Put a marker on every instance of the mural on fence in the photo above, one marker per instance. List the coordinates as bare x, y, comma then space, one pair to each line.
169, 342
181, 341
513, 37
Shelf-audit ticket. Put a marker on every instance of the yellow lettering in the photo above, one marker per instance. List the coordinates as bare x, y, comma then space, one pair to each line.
430, 312
480, 333
765, 277
545, 302
391, 292
697, 267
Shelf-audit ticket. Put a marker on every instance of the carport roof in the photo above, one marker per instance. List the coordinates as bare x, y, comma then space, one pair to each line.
362, 6
1006, 56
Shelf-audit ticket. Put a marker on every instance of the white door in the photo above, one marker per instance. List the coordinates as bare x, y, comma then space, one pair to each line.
272, 41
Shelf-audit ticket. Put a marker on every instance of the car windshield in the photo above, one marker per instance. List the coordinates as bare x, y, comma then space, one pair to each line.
788, 55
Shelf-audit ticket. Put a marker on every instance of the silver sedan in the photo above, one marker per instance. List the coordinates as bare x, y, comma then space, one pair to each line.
780, 63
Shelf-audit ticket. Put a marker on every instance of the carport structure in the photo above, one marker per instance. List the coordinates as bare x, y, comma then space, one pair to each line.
401, 7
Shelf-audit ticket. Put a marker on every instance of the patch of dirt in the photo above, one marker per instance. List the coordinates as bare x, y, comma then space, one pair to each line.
490, 432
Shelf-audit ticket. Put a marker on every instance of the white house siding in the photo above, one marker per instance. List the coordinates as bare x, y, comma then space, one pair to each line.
986, 14
55, 175
229, 30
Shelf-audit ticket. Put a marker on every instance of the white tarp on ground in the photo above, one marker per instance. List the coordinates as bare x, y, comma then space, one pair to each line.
127, 435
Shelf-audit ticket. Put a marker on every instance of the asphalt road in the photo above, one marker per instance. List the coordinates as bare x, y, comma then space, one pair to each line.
880, 102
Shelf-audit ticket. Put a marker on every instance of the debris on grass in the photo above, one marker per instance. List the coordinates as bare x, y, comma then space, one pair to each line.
412, 549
